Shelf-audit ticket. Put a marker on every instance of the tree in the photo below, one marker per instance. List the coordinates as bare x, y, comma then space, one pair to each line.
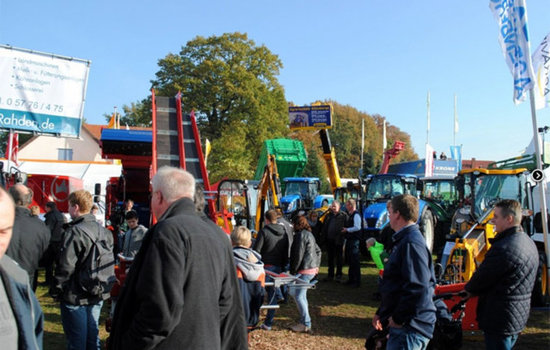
232, 86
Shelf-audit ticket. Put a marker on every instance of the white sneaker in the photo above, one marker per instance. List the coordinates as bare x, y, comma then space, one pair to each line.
300, 328
265, 327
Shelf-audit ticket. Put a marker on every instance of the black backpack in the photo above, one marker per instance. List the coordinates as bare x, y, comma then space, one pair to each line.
97, 272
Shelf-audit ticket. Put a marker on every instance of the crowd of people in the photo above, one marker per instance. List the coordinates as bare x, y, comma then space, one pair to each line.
190, 283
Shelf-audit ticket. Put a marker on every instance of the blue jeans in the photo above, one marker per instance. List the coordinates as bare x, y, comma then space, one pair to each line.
499, 341
300, 297
80, 323
406, 338
273, 294
353, 259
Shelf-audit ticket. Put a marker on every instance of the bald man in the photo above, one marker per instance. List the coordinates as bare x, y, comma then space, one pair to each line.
31, 236
21, 318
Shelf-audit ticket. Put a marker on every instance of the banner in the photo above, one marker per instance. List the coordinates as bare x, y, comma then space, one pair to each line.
41, 93
456, 154
310, 117
429, 170
511, 17
541, 65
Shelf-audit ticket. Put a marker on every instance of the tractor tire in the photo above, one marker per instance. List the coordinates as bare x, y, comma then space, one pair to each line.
427, 228
540, 297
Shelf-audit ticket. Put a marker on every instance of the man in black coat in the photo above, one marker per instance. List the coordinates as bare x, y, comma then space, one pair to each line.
181, 290
30, 235
505, 279
54, 220
332, 235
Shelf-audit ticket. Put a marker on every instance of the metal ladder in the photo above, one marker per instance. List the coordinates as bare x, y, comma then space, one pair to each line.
176, 141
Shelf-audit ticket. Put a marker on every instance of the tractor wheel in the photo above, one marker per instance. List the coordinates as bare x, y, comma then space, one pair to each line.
427, 228
540, 297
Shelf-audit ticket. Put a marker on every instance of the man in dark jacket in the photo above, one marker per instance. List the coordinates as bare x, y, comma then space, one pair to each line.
333, 238
505, 279
272, 244
79, 309
55, 221
352, 232
181, 290
408, 285
30, 235
21, 318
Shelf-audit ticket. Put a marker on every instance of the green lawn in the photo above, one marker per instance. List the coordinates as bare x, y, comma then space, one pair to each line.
341, 317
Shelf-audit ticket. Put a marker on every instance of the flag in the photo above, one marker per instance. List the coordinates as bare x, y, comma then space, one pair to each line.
12, 148
511, 16
112, 122
384, 137
456, 154
429, 162
541, 65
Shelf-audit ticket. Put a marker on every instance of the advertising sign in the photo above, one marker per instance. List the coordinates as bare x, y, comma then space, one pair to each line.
40, 92
310, 117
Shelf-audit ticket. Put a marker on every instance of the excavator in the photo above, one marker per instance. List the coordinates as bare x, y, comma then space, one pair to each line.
479, 190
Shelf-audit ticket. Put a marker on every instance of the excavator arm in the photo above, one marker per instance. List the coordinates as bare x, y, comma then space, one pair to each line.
330, 160
269, 190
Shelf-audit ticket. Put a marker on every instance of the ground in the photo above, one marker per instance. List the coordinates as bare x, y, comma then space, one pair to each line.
341, 317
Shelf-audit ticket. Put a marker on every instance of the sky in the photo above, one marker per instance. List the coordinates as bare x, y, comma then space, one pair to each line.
378, 56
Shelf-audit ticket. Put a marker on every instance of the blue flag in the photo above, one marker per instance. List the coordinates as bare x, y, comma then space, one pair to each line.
511, 17
456, 153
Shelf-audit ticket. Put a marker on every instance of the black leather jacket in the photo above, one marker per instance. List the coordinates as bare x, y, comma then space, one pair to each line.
304, 253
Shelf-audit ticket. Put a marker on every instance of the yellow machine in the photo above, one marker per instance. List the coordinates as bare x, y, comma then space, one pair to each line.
479, 190
269, 190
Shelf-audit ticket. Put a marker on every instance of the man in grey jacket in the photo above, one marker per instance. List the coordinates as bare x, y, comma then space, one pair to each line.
134, 236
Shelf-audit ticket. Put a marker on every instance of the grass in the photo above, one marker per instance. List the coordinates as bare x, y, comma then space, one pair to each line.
341, 317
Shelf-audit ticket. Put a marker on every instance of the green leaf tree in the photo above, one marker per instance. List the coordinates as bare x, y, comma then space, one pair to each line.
231, 84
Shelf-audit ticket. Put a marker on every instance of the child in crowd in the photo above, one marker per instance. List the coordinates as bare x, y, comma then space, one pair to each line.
251, 269
379, 256
377, 252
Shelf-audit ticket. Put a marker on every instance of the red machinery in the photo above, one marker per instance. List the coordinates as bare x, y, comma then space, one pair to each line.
391, 153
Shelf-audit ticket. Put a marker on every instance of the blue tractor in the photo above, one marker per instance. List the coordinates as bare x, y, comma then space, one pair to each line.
302, 194
380, 189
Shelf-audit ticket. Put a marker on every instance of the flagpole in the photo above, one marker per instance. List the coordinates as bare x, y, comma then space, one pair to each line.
10, 146
362, 145
428, 116
455, 125
542, 184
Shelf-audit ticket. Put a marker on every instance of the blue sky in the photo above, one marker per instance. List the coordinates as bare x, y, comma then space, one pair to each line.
381, 57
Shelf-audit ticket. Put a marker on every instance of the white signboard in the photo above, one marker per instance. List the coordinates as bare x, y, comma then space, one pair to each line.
41, 92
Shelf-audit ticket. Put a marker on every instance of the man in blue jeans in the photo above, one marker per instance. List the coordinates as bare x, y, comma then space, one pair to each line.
407, 308
272, 244
79, 309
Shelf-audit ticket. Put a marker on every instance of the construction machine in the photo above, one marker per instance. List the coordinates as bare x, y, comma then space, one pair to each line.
269, 191
380, 188
479, 189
